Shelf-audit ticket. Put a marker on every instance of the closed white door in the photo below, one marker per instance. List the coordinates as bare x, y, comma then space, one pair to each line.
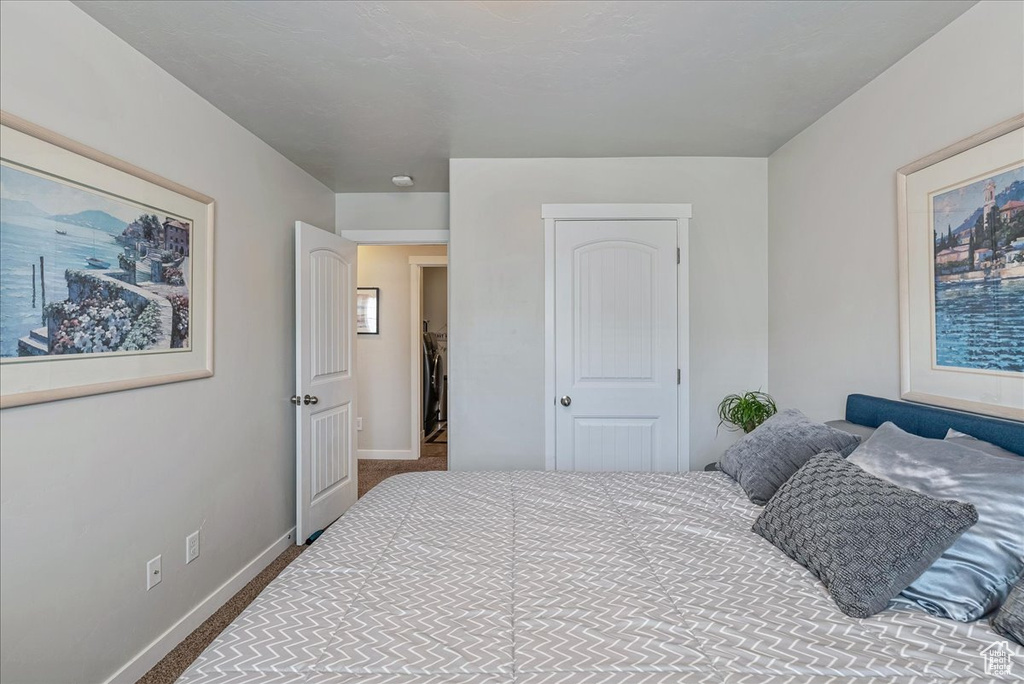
615, 345
325, 455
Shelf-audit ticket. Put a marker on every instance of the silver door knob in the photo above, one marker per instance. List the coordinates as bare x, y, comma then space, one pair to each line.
296, 400
307, 400
566, 400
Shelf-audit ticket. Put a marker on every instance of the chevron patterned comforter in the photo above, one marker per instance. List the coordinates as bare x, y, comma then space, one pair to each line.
567, 578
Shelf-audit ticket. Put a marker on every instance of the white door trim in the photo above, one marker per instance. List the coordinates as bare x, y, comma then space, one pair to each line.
616, 212
681, 214
416, 266
396, 237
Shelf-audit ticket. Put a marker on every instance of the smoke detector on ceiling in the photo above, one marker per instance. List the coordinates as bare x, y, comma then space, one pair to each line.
402, 181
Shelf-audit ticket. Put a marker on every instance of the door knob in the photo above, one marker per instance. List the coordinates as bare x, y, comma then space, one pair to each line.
307, 400
296, 400
566, 400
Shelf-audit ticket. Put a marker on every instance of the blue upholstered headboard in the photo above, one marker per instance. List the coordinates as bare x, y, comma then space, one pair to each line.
931, 422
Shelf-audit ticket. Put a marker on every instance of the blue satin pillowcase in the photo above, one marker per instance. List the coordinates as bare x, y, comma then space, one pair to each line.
973, 576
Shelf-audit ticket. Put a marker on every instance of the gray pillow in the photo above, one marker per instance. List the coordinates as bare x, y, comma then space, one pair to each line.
864, 538
1009, 621
776, 449
963, 439
974, 576
862, 431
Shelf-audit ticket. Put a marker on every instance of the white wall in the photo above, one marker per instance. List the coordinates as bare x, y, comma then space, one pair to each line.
496, 278
93, 488
391, 211
833, 311
385, 387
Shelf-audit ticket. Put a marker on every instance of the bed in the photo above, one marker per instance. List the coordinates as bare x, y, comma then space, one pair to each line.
557, 578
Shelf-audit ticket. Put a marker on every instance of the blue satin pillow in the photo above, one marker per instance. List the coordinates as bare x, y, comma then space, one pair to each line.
974, 576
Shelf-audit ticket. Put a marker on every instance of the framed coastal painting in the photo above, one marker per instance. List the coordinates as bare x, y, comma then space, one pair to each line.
961, 258
105, 272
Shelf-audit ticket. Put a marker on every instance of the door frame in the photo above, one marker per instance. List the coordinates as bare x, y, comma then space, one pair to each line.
416, 266
396, 237
681, 214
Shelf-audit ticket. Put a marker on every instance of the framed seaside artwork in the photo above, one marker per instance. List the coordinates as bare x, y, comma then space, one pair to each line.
105, 272
961, 258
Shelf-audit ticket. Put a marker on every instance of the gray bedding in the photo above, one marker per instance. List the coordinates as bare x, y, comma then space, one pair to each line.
568, 578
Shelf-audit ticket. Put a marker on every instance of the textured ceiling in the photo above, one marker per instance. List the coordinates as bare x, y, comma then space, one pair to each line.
355, 92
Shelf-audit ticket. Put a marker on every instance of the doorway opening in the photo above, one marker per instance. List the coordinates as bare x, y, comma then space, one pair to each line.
430, 307
401, 360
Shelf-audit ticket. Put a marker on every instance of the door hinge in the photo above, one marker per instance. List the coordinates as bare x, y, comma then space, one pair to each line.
679, 255
679, 376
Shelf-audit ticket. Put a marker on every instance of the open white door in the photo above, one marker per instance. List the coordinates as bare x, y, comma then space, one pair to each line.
325, 454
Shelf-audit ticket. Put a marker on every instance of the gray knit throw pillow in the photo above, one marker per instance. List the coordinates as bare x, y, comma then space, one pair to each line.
776, 449
864, 538
1009, 621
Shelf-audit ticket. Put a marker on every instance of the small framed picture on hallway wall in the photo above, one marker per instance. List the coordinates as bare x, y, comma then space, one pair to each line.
367, 310
961, 259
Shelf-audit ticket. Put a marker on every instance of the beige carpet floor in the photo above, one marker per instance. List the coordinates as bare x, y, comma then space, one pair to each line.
433, 456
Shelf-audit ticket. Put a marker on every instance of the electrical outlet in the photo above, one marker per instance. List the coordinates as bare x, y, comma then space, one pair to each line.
191, 547
153, 573
359, 424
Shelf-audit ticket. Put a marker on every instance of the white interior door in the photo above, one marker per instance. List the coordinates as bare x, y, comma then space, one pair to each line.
615, 345
325, 453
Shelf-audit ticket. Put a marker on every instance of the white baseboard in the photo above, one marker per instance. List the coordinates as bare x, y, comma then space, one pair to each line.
389, 454
163, 644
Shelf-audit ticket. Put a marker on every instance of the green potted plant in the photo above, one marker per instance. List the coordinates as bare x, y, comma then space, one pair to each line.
746, 411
